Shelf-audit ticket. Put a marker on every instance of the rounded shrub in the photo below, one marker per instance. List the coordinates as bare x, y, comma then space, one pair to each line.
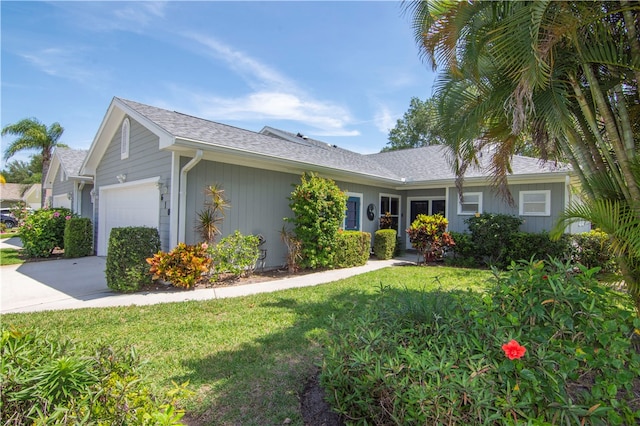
43, 231
384, 243
235, 254
129, 247
78, 237
352, 249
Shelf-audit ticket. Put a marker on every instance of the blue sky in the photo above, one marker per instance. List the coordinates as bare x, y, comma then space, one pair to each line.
342, 72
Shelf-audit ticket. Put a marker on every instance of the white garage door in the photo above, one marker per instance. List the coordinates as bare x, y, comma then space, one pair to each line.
130, 204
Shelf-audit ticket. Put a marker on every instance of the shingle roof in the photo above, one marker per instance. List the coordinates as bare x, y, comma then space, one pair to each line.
412, 165
71, 159
216, 134
433, 163
13, 191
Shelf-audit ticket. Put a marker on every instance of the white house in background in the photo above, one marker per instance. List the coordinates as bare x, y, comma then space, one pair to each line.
150, 167
69, 188
14, 193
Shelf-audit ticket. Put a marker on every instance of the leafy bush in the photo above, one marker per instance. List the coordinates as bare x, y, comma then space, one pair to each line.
593, 249
183, 266
43, 231
129, 247
524, 246
47, 380
448, 357
489, 232
78, 237
352, 249
464, 252
384, 243
235, 254
319, 207
428, 234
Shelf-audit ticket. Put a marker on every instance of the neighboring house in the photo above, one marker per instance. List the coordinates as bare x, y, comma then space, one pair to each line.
68, 187
13, 193
150, 167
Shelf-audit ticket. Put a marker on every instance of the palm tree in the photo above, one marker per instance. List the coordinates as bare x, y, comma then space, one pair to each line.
563, 75
32, 134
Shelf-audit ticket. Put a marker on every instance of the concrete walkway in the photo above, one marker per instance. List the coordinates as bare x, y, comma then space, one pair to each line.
81, 283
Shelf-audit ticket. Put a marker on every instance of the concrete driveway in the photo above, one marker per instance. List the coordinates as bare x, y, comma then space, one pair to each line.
81, 283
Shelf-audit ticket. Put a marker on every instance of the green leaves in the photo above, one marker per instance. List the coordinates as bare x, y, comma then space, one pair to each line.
319, 208
435, 357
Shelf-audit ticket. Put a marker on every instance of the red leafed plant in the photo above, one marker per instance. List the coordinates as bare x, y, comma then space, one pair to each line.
183, 266
428, 235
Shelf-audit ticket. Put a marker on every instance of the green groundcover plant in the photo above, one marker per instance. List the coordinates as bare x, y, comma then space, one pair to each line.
545, 345
48, 380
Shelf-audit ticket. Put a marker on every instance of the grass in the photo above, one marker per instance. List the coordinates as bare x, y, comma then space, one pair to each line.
9, 256
246, 359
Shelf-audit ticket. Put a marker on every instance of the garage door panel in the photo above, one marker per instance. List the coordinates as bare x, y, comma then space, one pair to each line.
133, 205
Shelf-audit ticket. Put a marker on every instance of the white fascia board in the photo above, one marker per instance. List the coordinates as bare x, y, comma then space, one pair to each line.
241, 157
110, 125
51, 173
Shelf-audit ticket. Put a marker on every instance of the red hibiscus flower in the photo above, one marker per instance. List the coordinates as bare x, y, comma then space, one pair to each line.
513, 350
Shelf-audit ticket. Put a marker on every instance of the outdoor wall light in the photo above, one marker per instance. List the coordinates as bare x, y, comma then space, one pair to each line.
121, 178
69, 195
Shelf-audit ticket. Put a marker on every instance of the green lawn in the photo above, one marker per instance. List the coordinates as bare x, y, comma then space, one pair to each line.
246, 359
9, 256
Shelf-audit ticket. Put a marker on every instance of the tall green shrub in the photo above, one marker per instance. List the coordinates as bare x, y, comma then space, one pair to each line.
78, 237
43, 231
127, 268
352, 249
318, 206
490, 233
384, 243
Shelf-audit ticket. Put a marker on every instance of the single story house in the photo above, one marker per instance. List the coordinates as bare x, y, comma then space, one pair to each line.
14, 193
68, 188
150, 167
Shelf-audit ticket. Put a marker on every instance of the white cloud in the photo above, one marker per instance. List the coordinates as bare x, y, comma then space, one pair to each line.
113, 15
384, 120
64, 63
272, 95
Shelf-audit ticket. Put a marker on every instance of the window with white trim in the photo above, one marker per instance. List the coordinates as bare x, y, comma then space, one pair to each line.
124, 139
535, 203
471, 203
390, 204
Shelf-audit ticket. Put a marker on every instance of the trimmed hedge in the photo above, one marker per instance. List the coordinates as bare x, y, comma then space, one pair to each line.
384, 243
352, 249
127, 268
78, 237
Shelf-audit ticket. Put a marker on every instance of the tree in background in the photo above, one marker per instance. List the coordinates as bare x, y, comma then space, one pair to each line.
416, 128
32, 134
18, 171
564, 73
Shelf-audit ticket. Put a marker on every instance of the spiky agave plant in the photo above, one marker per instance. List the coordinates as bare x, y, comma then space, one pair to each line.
212, 215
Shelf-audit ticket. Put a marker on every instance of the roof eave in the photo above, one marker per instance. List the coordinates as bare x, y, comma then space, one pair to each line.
276, 163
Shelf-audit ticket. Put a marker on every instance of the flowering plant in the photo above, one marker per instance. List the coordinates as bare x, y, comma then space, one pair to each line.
513, 350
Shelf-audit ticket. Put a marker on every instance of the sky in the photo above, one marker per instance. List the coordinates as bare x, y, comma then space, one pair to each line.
342, 72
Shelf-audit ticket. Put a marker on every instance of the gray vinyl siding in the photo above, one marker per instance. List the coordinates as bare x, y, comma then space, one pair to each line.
257, 198
60, 187
145, 161
85, 202
259, 203
494, 203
